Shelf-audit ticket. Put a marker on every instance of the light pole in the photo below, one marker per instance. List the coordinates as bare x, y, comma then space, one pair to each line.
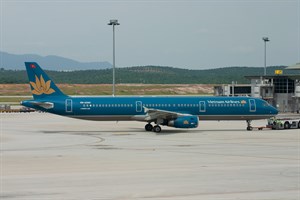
265, 39
113, 22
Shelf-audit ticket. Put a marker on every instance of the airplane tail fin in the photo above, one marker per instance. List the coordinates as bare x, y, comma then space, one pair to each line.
41, 85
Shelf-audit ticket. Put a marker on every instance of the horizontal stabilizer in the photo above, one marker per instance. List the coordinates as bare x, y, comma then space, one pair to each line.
46, 105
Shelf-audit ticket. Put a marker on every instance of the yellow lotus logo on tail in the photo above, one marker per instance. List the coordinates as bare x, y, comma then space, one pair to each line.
41, 87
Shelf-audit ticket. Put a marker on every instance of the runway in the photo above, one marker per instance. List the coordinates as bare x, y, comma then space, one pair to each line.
45, 156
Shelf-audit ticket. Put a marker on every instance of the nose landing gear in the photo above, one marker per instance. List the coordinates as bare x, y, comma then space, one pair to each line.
249, 127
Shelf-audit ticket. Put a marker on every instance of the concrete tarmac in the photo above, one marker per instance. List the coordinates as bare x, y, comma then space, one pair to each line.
44, 156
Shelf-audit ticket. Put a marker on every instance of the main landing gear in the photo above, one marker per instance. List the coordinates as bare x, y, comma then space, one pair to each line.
249, 127
148, 127
155, 128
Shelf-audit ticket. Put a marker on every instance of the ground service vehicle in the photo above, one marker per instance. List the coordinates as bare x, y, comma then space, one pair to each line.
284, 123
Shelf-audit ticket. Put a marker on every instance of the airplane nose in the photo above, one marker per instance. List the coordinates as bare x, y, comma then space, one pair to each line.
274, 110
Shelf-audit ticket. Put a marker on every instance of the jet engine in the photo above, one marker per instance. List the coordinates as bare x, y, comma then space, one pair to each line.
184, 122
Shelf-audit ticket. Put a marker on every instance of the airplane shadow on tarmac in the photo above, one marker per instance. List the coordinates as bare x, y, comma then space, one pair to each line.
132, 131
139, 130
187, 131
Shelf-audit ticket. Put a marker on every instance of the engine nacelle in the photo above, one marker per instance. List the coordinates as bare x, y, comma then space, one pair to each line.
185, 122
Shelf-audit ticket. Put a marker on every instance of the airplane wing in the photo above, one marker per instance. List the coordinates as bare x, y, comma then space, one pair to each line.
153, 114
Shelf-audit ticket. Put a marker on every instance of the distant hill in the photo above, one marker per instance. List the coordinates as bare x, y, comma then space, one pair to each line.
16, 62
147, 75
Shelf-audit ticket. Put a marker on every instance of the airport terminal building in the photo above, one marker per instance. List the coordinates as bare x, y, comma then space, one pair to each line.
281, 91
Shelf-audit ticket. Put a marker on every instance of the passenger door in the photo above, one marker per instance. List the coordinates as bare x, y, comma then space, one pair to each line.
139, 106
252, 105
202, 106
68, 105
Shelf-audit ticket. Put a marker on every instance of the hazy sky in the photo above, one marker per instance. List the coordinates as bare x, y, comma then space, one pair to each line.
186, 34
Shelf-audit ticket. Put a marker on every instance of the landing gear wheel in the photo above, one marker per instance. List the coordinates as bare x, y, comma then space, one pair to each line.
148, 127
287, 125
156, 129
249, 127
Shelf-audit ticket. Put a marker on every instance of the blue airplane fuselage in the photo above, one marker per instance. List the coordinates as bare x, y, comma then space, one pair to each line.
132, 108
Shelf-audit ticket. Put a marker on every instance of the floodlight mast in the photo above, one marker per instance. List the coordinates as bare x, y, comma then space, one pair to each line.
113, 22
265, 39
